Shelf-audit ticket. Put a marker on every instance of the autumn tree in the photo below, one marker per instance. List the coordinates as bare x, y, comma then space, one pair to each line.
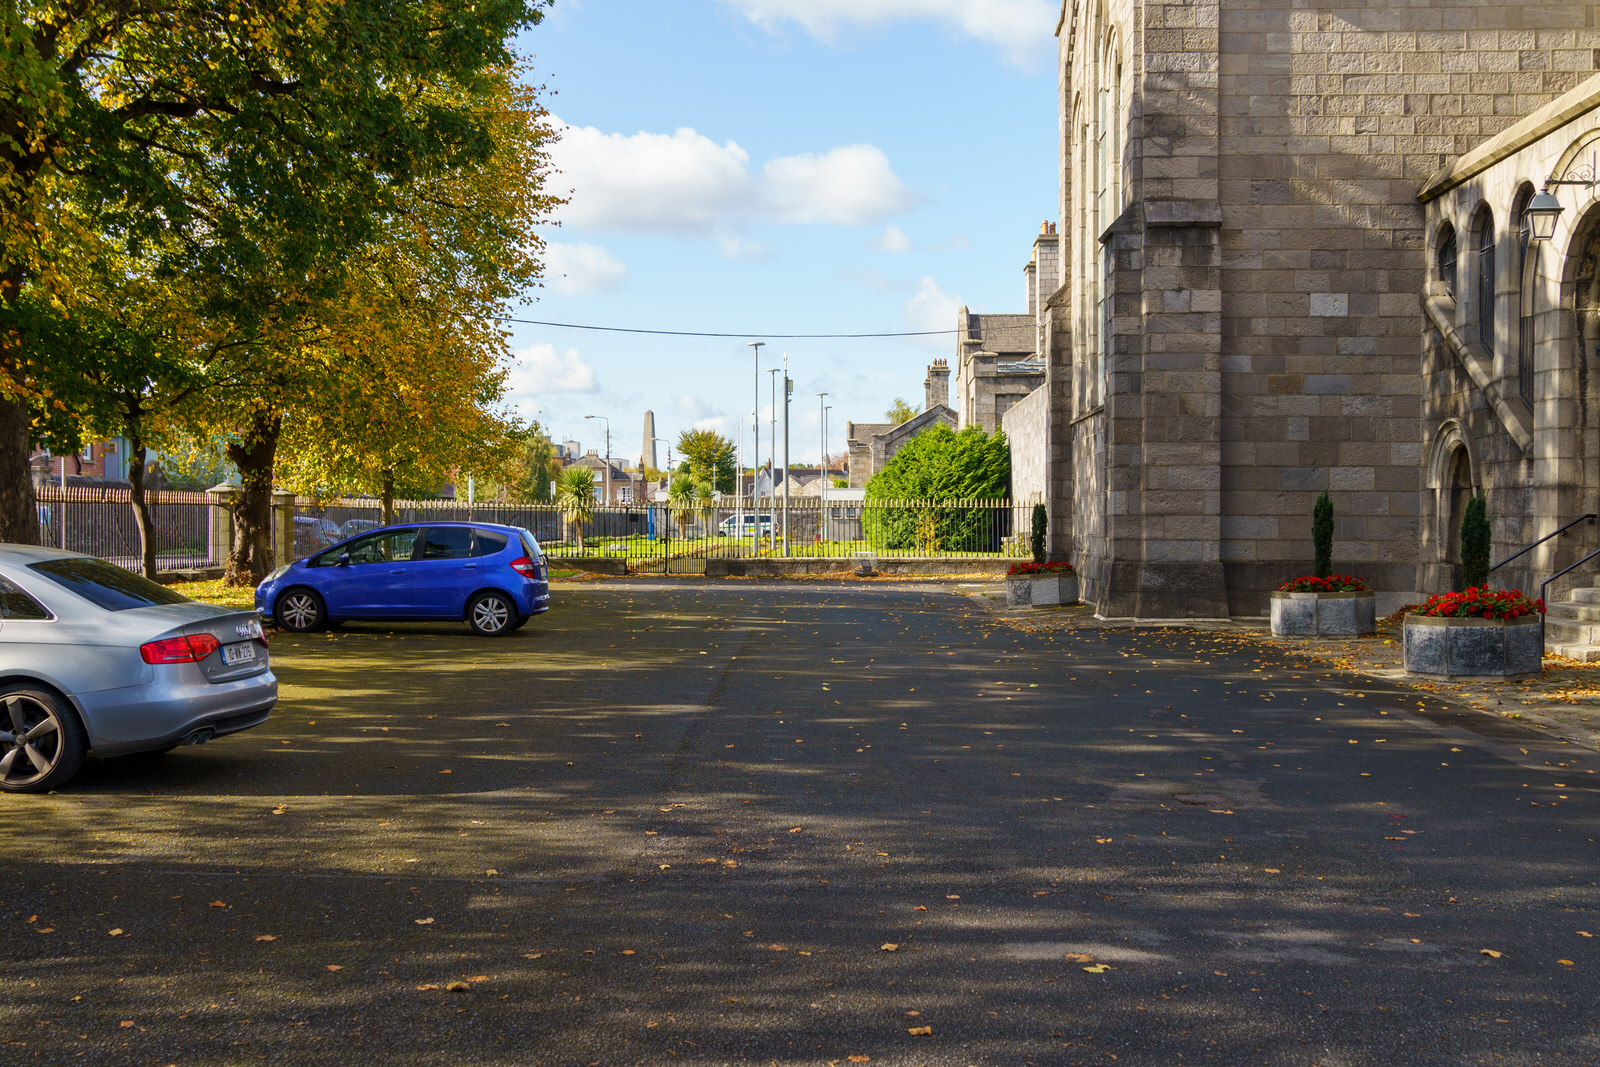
708, 457
900, 411
249, 144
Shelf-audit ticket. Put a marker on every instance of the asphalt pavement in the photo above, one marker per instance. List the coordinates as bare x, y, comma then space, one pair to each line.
812, 823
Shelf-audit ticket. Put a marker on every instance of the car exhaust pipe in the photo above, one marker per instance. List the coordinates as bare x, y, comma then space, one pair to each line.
197, 737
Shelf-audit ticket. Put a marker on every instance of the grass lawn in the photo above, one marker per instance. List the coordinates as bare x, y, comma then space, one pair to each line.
214, 592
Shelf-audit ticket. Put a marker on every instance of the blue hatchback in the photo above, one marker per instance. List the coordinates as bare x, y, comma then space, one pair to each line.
494, 577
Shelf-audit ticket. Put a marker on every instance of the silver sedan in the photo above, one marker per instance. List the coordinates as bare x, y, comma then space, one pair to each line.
96, 659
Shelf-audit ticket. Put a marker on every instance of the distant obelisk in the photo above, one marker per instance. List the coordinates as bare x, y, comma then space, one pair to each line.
650, 439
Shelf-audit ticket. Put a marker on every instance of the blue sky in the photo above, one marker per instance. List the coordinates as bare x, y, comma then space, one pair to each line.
763, 167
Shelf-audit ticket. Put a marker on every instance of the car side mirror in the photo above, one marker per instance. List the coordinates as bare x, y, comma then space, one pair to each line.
344, 559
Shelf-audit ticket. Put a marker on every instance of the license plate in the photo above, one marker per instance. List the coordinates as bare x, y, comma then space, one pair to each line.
243, 652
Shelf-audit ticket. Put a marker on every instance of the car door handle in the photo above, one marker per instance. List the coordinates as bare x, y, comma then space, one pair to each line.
400, 571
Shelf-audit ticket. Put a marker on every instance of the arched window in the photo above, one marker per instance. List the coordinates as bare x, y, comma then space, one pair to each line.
1447, 260
1525, 268
1485, 239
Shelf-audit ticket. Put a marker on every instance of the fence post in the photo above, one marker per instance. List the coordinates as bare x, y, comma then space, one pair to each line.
282, 526
219, 543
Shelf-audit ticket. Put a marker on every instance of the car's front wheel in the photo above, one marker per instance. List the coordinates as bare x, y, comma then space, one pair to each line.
491, 615
41, 742
301, 610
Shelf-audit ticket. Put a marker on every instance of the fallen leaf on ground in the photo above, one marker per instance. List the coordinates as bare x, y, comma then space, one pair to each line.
335, 966
428, 985
115, 933
267, 937
888, 946
422, 922
458, 987
1491, 953
216, 904
1099, 968
1079, 957
920, 1031
1566, 963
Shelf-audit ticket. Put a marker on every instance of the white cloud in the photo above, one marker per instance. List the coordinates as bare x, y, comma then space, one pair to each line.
690, 405
852, 184
577, 269
931, 308
892, 239
688, 183
678, 181
1021, 28
540, 370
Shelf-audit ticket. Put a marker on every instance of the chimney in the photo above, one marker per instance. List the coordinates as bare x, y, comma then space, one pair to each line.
936, 387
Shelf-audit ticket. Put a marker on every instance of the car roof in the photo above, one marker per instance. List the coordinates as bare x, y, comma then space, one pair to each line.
25, 554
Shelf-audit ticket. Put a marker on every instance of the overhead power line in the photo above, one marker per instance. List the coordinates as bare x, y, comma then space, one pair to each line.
707, 333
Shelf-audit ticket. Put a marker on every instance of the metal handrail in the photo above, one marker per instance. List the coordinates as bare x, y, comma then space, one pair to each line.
1522, 552
1544, 585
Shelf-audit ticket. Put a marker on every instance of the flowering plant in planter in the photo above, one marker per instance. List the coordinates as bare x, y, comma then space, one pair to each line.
1480, 602
1333, 583
1030, 567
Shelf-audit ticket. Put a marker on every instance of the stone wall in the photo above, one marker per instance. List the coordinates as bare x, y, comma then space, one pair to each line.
1526, 441
1267, 256
1024, 427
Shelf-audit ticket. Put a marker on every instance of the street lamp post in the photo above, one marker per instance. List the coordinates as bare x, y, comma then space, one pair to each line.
788, 388
755, 455
607, 478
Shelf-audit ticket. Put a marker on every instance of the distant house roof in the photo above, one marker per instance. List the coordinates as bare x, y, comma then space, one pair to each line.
1003, 334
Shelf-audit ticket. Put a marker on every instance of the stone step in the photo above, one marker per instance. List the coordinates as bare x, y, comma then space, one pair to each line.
1581, 652
1586, 595
1570, 633
1573, 612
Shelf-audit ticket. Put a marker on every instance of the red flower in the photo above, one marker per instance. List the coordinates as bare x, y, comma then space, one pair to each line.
1335, 583
1030, 567
1480, 602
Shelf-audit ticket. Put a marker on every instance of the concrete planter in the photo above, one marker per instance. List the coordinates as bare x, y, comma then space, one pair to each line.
1041, 590
1324, 614
1510, 649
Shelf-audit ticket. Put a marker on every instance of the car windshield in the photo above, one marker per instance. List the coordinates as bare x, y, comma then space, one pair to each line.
105, 584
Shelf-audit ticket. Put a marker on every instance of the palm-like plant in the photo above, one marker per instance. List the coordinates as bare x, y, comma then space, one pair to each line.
575, 497
705, 499
680, 499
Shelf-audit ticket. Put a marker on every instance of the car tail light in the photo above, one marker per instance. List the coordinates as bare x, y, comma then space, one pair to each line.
525, 567
191, 649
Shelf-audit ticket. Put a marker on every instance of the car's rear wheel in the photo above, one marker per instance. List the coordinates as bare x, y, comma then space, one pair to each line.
41, 741
301, 610
491, 615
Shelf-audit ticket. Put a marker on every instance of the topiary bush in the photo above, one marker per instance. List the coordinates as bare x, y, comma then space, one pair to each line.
1322, 535
1040, 524
1475, 543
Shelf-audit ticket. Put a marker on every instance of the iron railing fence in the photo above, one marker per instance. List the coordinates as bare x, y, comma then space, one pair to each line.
99, 522
906, 528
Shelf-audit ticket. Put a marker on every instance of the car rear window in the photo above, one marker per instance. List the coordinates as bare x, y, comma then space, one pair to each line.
16, 604
105, 584
487, 543
447, 542
530, 544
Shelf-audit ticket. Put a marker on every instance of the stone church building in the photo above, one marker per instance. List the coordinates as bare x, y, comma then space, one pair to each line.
1294, 257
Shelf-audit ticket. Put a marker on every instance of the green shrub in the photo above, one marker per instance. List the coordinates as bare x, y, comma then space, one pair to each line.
1040, 524
1475, 543
1322, 535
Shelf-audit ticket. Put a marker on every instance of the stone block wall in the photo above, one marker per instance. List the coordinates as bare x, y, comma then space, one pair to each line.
1268, 261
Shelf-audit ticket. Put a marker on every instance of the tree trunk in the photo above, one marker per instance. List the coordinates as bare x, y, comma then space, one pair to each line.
141, 509
387, 498
19, 511
254, 457
136, 470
